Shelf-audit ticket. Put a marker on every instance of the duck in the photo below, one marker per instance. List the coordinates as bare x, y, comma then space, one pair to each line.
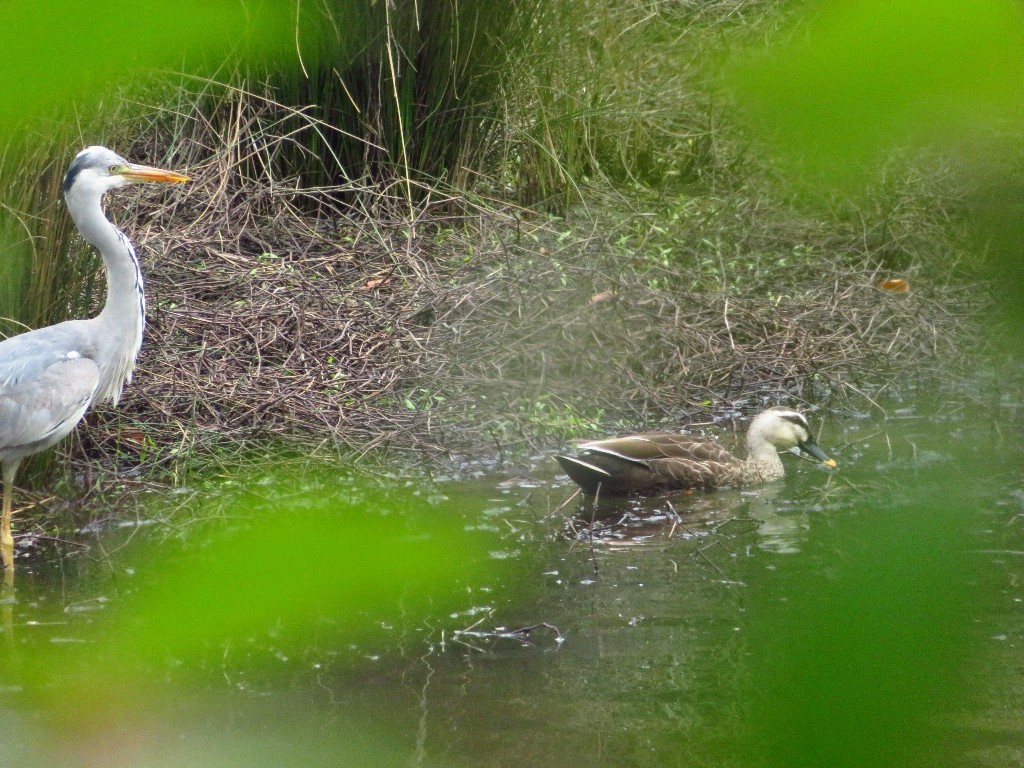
661, 462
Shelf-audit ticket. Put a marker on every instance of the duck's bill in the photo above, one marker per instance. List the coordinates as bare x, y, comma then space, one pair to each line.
145, 173
812, 448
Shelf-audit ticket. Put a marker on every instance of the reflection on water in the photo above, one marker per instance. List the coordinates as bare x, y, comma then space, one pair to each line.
781, 525
654, 632
778, 520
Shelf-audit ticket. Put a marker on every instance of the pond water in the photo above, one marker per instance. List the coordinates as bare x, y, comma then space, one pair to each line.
868, 616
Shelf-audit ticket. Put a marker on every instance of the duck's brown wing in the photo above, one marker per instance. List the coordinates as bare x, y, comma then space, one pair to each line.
661, 445
649, 463
678, 473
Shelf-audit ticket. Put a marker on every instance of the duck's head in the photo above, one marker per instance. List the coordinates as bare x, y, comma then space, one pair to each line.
785, 429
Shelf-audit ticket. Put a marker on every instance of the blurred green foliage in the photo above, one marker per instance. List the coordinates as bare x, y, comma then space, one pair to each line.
857, 79
357, 564
68, 53
860, 668
324, 572
869, 664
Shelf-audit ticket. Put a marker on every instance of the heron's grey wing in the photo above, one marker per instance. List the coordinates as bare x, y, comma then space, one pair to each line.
43, 395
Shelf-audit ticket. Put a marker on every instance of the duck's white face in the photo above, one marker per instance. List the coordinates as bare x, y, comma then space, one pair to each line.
782, 427
785, 429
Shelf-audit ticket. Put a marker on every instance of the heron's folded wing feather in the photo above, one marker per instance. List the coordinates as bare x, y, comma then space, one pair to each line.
43, 397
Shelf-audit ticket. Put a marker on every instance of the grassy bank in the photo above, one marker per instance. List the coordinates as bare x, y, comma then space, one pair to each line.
484, 329
614, 253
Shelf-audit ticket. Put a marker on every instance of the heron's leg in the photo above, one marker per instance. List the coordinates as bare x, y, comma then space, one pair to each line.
10, 468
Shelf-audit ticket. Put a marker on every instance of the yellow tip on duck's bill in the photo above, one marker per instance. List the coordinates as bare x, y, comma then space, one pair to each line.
144, 173
811, 448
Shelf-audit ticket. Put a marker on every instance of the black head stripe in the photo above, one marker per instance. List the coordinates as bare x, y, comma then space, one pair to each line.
795, 418
69, 178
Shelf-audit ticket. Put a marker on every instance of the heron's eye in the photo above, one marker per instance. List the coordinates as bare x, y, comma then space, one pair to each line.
113, 169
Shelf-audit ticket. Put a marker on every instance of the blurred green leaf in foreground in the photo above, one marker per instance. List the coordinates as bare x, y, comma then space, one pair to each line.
860, 78
67, 53
873, 664
866, 667
307, 582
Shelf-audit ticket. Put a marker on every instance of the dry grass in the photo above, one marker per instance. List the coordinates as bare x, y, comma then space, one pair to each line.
278, 316
264, 321
535, 344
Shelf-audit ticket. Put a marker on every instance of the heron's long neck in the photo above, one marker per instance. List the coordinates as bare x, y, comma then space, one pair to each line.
123, 316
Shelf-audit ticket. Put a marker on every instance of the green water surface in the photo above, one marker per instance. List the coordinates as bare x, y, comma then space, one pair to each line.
870, 616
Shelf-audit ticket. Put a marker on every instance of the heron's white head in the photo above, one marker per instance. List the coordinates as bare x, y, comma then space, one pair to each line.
95, 170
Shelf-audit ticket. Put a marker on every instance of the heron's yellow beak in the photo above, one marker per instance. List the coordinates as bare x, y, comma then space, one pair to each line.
144, 173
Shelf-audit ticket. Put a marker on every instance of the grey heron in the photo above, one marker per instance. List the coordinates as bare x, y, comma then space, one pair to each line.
51, 376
